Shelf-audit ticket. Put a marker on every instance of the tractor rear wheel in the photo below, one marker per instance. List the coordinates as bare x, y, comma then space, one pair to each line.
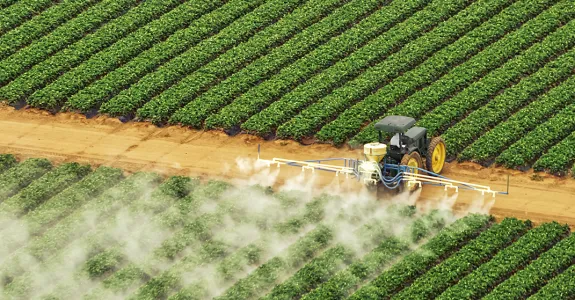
412, 160
435, 159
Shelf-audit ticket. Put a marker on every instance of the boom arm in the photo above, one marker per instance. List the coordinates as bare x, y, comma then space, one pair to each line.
350, 167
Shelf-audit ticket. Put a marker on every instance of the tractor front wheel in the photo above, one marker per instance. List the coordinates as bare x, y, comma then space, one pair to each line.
412, 160
436, 153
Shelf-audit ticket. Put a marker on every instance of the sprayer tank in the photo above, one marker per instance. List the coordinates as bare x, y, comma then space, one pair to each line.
374, 152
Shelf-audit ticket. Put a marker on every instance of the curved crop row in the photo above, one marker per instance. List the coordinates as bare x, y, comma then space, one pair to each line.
490, 144
560, 287
481, 91
464, 261
356, 37
351, 120
503, 105
160, 108
112, 83
61, 37
41, 24
42, 189
535, 275
476, 67
417, 263
20, 11
487, 276
46, 71
21, 175
326, 109
67, 229
531, 146
253, 101
244, 54
7, 161
54, 94
559, 158
177, 68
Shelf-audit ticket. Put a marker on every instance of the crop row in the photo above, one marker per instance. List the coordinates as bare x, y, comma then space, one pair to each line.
7, 161
559, 158
160, 108
55, 94
268, 273
206, 248
71, 227
531, 146
342, 283
326, 109
253, 101
177, 68
475, 68
478, 93
315, 272
559, 287
535, 275
386, 249
170, 279
357, 37
510, 100
113, 82
48, 70
288, 28
487, 276
351, 120
106, 258
222, 118
490, 144
61, 37
417, 263
464, 261
234, 265
19, 12
52, 17
21, 175
193, 228
41, 190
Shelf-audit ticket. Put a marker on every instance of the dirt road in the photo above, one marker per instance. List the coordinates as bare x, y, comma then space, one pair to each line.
174, 150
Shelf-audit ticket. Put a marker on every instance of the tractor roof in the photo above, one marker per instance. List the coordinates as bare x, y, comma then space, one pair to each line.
395, 124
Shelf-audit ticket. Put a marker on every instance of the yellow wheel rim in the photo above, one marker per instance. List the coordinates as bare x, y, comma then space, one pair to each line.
412, 163
438, 157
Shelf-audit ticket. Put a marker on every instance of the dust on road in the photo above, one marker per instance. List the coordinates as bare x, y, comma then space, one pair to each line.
175, 150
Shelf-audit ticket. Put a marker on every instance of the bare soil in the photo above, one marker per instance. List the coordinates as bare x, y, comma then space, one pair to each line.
175, 150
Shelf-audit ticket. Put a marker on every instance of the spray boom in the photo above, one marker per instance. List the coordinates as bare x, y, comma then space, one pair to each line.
370, 172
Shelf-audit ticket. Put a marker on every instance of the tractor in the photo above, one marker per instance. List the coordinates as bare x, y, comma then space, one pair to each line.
410, 146
410, 158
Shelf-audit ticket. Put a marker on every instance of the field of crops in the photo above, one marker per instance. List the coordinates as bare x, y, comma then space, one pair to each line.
495, 78
70, 231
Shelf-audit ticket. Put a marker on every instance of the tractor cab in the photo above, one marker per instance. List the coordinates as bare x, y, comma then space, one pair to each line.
406, 139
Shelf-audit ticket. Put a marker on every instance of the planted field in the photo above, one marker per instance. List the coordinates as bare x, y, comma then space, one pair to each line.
71, 231
494, 78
